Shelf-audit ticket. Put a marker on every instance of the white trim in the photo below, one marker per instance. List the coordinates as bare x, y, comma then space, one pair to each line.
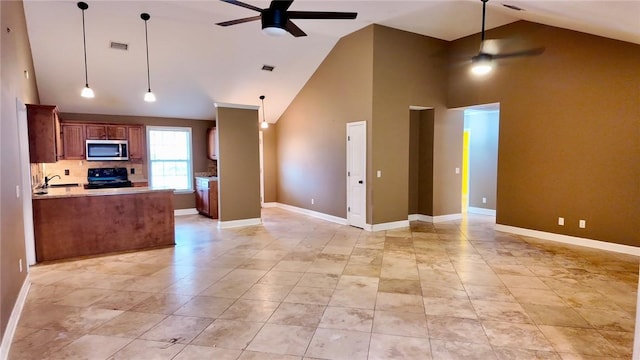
444, 218
236, 106
573, 240
387, 226
315, 214
364, 173
481, 211
413, 107
182, 212
413, 217
270, 205
239, 223
13, 320
420, 217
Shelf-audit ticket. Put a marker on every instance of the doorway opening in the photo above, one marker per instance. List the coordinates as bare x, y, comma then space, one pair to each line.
480, 159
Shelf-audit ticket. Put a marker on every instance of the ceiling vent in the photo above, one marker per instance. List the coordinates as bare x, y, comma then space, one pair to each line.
268, 67
119, 46
513, 7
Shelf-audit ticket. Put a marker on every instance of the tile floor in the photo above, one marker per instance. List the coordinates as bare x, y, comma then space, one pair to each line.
302, 288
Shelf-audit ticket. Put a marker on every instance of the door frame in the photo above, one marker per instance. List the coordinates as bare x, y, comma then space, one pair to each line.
25, 171
364, 172
261, 150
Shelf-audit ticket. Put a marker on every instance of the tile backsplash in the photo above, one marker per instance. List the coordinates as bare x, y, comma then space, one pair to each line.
78, 171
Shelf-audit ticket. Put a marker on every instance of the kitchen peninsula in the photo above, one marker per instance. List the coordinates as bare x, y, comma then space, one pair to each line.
71, 222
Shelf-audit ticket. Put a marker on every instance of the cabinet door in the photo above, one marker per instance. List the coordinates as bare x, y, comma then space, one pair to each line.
73, 142
116, 132
212, 134
204, 194
213, 199
96, 132
44, 133
137, 149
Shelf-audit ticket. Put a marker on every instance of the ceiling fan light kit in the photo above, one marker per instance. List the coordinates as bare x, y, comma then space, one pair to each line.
86, 91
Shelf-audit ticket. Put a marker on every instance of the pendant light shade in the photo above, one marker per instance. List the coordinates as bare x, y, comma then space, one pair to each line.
86, 91
149, 96
264, 124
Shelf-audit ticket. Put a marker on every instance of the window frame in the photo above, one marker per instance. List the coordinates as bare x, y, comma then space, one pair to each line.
189, 132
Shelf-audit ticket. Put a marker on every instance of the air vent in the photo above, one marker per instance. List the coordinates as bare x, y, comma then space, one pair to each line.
119, 46
513, 7
268, 67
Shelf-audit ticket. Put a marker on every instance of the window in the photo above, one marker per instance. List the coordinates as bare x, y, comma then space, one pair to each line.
170, 158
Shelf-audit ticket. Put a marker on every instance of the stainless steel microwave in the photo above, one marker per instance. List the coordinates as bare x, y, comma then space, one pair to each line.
107, 150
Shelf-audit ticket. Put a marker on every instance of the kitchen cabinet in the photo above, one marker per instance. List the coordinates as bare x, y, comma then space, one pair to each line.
207, 196
106, 132
212, 139
73, 143
43, 122
137, 150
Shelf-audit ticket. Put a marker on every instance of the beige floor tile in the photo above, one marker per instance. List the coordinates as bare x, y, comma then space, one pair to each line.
309, 295
327, 281
195, 352
293, 265
555, 315
41, 344
489, 293
177, 329
399, 302
162, 303
621, 340
297, 315
121, 300
228, 288
362, 270
205, 306
254, 355
385, 347
354, 298
84, 297
400, 323
269, 292
65, 318
228, 334
411, 287
258, 264
325, 266
335, 344
461, 308
91, 347
456, 329
501, 311
510, 354
145, 349
537, 296
444, 292
455, 350
129, 324
282, 339
250, 310
516, 336
579, 341
399, 270
347, 319
357, 282
281, 278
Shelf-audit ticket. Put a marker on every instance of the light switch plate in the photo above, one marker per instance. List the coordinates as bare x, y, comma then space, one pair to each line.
379, 173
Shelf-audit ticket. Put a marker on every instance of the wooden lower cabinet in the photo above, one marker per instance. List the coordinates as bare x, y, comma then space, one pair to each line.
207, 197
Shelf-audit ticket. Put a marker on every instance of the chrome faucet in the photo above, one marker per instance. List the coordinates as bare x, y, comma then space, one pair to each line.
49, 178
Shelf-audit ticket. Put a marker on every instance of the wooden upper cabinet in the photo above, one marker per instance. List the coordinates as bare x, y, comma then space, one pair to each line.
212, 138
44, 133
106, 132
137, 150
73, 141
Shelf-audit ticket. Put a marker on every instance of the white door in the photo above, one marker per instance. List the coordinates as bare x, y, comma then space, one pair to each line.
27, 209
357, 174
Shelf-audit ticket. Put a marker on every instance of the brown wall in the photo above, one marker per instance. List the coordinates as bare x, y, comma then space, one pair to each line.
15, 58
408, 69
447, 156
198, 138
238, 164
421, 162
270, 163
569, 138
311, 133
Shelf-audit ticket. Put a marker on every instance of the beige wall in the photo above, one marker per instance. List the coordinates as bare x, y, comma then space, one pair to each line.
569, 138
408, 69
447, 156
311, 134
270, 163
238, 164
198, 138
15, 58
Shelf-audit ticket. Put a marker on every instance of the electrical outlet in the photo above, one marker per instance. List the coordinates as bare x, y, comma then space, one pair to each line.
582, 224
379, 173
17, 191
484, 200
133, 171
561, 221
457, 170
66, 172
312, 201
20, 264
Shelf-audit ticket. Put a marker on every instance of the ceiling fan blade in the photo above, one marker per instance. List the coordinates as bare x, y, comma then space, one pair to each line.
238, 21
321, 15
529, 52
280, 4
244, 5
294, 29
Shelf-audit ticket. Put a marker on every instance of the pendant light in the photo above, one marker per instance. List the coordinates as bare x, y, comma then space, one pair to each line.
86, 91
264, 124
149, 96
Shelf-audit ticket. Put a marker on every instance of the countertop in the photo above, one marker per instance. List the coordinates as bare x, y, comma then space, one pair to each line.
79, 191
207, 177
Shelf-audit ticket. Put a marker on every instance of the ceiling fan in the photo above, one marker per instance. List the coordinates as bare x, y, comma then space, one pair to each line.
276, 19
489, 50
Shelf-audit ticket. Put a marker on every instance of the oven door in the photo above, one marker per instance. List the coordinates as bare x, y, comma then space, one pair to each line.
100, 150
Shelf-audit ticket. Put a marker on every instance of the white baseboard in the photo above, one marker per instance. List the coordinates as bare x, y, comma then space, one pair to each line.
13, 320
239, 223
573, 240
315, 214
420, 217
270, 205
448, 217
181, 212
481, 211
387, 226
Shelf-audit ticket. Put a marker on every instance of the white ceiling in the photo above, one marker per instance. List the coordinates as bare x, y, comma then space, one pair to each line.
195, 63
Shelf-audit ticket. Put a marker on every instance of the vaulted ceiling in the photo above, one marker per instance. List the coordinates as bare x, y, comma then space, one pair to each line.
194, 63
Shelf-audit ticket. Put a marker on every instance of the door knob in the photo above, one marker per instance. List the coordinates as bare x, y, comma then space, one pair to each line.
360, 182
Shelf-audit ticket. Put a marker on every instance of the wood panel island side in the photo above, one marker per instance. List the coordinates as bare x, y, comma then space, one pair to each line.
74, 222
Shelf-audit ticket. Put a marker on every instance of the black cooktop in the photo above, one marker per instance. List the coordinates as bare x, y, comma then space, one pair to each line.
104, 178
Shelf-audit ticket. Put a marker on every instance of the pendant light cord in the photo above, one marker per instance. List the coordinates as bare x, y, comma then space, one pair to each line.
84, 42
484, 12
146, 40
262, 99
